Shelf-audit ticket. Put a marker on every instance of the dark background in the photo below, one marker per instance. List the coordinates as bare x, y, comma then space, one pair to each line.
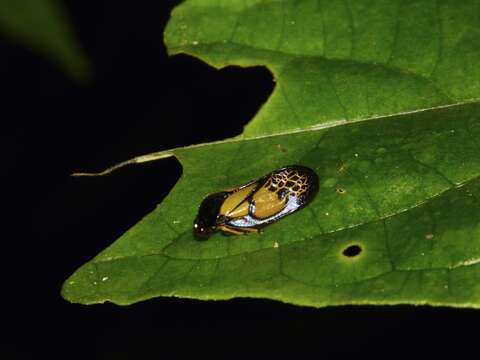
142, 101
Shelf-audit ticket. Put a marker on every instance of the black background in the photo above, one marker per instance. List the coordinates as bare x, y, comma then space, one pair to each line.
142, 101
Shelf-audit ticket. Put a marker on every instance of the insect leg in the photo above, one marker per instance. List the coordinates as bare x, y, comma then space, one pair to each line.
237, 231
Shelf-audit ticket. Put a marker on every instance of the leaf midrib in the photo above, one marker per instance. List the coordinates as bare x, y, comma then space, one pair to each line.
321, 126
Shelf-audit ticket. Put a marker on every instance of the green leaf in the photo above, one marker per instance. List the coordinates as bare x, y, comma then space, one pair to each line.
43, 26
379, 97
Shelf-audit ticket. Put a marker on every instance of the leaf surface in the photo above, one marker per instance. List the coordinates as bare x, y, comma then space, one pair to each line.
379, 97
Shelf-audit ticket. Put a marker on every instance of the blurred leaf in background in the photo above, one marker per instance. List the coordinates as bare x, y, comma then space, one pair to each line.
44, 27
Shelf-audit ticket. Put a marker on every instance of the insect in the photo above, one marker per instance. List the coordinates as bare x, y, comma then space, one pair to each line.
257, 203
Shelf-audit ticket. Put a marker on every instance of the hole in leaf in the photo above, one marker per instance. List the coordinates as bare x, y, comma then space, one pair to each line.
352, 251
341, 191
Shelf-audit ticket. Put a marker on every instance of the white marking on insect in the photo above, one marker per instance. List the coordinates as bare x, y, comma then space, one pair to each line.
249, 221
